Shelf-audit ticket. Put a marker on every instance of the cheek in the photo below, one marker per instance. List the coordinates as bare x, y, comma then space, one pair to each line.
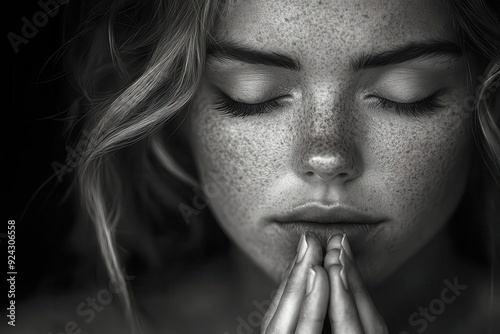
247, 157
419, 169
244, 156
423, 165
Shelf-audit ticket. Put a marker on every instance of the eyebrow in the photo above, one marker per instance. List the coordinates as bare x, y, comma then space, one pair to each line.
235, 51
407, 52
411, 51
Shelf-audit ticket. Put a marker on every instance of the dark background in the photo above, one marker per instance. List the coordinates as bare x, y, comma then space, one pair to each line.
34, 142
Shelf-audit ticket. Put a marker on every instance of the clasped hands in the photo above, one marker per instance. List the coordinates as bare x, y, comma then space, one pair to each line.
314, 287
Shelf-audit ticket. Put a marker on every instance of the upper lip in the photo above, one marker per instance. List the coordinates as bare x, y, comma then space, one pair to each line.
335, 213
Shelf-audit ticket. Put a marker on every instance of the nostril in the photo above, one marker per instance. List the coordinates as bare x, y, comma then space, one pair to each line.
327, 175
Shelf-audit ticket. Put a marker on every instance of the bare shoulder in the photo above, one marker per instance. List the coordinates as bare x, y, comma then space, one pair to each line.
200, 298
90, 310
195, 300
215, 298
479, 306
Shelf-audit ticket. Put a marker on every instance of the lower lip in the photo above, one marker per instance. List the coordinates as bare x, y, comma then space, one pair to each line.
355, 232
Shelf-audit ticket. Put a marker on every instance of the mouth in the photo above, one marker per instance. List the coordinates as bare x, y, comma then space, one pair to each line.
355, 232
325, 220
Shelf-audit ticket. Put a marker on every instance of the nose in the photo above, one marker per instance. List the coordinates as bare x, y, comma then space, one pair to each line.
327, 167
329, 161
326, 144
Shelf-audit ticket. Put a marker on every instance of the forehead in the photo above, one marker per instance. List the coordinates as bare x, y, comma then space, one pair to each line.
325, 27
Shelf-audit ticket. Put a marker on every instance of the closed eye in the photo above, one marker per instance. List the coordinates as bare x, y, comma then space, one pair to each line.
234, 108
420, 108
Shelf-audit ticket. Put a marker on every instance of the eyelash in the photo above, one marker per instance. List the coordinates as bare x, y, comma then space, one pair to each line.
237, 109
420, 108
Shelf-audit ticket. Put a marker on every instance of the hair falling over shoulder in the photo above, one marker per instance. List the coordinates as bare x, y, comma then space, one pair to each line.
136, 64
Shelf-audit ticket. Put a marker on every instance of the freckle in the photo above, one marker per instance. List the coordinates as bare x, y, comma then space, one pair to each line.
366, 16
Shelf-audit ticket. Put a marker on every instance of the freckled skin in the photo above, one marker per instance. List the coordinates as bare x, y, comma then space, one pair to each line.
326, 143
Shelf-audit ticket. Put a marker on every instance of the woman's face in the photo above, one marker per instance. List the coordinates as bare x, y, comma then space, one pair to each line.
356, 103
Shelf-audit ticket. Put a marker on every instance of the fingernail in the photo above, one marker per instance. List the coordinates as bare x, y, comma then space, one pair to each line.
329, 238
339, 279
345, 245
343, 278
310, 280
301, 249
289, 266
343, 275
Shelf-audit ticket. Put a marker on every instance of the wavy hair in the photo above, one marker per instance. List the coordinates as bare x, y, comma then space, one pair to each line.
136, 66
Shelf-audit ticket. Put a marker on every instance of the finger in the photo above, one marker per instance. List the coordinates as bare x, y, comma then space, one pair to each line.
369, 315
286, 315
313, 312
277, 297
275, 302
343, 312
333, 252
